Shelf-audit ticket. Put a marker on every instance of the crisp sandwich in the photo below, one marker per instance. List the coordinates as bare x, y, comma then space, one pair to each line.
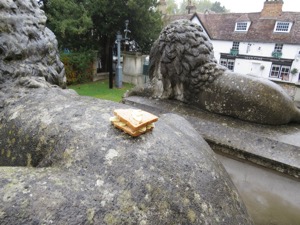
133, 121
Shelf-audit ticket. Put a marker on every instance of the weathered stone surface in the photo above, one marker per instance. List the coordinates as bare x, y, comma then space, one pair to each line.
274, 147
62, 162
182, 67
88, 171
28, 50
248, 98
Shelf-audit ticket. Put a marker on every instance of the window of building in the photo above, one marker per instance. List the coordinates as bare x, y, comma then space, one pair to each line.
229, 63
235, 45
242, 26
223, 62
285, 73
281, 72
278, 47
282, 27
275, 71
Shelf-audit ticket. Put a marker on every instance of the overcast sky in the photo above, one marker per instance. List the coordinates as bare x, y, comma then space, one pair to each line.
254, 5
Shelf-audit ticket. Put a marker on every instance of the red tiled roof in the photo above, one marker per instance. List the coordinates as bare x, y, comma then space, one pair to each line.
221, 27
243, 18
170, 18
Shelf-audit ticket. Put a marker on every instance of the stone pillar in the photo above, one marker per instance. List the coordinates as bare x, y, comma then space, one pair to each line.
133, 68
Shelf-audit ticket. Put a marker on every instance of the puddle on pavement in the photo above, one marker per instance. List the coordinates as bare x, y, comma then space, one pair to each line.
271, 198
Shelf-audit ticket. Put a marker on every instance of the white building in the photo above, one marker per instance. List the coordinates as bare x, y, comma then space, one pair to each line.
265, 43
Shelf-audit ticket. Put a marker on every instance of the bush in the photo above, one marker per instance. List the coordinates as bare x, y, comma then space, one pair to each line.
78, 66
294, 71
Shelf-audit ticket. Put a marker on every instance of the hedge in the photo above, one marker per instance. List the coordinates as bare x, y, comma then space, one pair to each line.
78, 66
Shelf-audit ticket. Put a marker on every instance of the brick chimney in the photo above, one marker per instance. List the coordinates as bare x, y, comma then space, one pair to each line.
190, 7
272, 8
162, 7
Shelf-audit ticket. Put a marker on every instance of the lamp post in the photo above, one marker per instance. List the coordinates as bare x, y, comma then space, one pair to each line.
119, 75
119, 67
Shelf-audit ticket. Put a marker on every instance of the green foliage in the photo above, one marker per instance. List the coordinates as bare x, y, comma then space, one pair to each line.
93, 24
78, 66
100, 89
216, 7
69, 20
145, 22
172, 7
294, 71
108, 17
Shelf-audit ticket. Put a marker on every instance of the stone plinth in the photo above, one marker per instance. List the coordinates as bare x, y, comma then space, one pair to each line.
133, 69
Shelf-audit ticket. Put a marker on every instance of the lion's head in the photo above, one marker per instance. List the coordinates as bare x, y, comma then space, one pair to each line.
182, 61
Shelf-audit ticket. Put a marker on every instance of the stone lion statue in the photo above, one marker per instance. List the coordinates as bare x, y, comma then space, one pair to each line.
183, 67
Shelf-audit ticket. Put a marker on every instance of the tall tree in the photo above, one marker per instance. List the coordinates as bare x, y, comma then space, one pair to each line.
172, 7
108, 18
203, 5
95, 23
69, 20
216, 7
